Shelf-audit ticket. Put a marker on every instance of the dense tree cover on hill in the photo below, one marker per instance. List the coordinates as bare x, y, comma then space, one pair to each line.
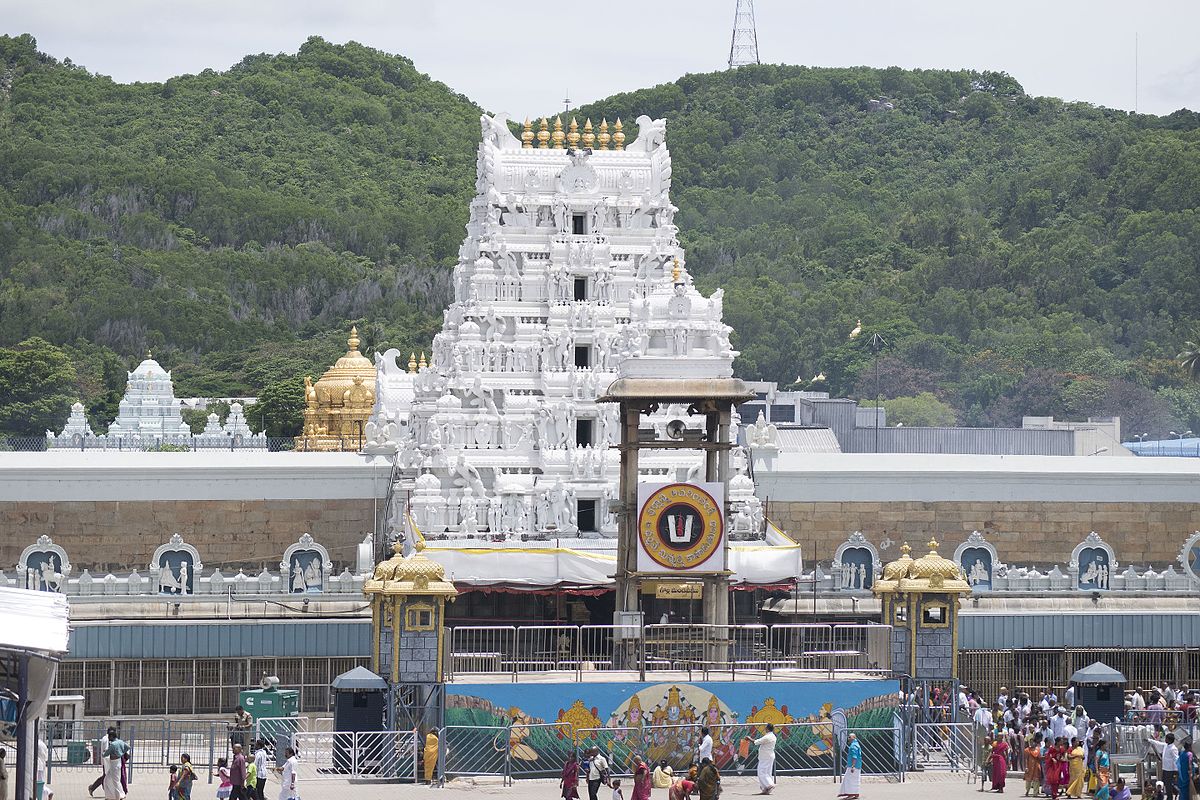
1018, 255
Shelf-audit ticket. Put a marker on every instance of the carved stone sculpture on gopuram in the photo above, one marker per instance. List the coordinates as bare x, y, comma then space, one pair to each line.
570, 267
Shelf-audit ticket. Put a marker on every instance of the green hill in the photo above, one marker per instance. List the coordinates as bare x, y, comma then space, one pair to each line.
1019, 255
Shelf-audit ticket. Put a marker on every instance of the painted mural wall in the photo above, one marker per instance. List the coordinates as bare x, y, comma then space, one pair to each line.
535, 726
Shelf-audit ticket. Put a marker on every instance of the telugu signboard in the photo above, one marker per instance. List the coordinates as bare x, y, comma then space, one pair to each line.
681, 527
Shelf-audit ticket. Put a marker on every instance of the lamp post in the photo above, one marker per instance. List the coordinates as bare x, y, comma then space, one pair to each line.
877, 343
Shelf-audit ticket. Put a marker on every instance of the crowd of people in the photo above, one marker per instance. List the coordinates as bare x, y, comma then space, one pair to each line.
702, 779
242, 777
1061, 751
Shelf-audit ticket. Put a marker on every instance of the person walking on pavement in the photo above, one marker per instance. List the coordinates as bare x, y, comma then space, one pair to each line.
260, 769
287, 777
706, 746
114, 775
568, 782
101, 747
597, 773
852, 779
641, 779
237, 774
766, 760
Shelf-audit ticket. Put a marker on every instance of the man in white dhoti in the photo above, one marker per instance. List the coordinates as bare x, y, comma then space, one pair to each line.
852, 779
113, 754
766, 760
287, 777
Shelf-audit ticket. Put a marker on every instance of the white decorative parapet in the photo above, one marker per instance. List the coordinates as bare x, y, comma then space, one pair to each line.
176, 571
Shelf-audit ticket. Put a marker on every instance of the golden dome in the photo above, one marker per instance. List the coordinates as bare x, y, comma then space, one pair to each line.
899, 568
932, 565
336, 407
341, 376
929, 573
416, 574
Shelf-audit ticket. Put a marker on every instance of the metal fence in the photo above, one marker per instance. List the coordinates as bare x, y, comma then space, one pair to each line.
952, 746
804, 748
758, 650
1032, 670
272, 729
338, 755
153, 743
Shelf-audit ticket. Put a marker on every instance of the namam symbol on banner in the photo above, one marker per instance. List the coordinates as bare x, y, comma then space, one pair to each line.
680, 526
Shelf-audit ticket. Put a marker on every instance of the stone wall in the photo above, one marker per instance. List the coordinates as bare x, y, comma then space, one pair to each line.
103, 536
1024, 532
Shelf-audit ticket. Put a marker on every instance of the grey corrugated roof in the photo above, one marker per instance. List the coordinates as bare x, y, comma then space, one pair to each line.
808, 440
1096, 673
359, 679
1081, 629
232, 639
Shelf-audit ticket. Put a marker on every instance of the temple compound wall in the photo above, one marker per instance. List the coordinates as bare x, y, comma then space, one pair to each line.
1024, 532
1033, 509
241, 509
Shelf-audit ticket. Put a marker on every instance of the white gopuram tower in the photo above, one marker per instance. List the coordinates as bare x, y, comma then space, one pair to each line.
570, 243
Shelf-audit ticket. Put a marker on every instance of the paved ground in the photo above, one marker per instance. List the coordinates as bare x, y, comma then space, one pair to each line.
71, 784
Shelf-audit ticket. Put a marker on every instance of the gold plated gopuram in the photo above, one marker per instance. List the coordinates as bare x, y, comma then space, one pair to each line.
336, 407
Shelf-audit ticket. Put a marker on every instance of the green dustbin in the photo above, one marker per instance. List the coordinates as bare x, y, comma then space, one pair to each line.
77, 753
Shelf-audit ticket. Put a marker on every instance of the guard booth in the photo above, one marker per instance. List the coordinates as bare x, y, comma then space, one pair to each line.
359, 704
1101, 690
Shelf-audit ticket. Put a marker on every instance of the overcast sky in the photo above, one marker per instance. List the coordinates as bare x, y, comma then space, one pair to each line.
524, 57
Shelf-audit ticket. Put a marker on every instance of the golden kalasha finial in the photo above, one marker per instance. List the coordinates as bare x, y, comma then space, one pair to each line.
423, 363
573, 135
527, 135
412, 362
353, 340
675, 272
556, 138
619, 136
604, 137
543, 135
933, 543
149, 355
905, 549
589, 138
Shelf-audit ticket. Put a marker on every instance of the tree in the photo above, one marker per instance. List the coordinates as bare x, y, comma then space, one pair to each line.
36, 388
923, 410
1189, 358
279, 410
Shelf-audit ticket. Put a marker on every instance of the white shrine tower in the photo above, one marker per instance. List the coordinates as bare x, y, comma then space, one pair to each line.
570, 267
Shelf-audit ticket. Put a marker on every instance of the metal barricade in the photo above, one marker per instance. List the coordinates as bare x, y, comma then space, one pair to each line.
674, 647
474, 750
750, 649
800, 648
323, 756
944, 746
803, 748
860, 648
883, 750
269, 728
482, 649
386, 754
539, 750
546, 648
338, 755
618, 745
153, 743
598, 650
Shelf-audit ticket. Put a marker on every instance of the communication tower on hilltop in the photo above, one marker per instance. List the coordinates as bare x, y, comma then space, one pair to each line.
743, 47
